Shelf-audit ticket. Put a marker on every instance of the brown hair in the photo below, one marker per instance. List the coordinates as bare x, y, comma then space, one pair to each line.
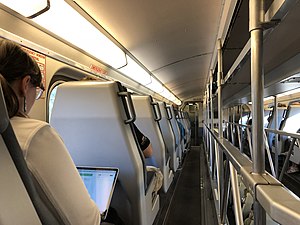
15, 63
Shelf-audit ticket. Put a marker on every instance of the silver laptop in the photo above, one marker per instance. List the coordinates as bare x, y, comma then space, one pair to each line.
100, 183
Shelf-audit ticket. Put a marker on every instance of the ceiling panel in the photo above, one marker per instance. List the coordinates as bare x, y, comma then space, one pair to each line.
166, 36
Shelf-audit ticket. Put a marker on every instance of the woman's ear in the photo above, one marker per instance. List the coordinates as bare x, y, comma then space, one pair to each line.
24, 85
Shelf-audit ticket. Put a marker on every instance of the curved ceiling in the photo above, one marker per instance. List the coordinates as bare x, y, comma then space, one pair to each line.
172, 39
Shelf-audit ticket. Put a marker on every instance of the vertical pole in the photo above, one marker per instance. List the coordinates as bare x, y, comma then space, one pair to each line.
223, 210
212, 155
220, 76
227, 126
196, 125
236, 196
257, 84
269, 155
276, 135
208, 119
204, 120
220, 117
256, 13
233, 126
208, 124
242, 133
217, 174
203, 117
239, 137
240, 128
211, 101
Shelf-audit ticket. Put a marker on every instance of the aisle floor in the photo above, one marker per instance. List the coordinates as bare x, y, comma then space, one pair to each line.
184, 202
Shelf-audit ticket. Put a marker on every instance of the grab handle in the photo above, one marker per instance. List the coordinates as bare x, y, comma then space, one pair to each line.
129, 108
169, 112
156, 111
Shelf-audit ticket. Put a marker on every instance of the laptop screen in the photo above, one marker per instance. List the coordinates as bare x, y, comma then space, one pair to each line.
100, 183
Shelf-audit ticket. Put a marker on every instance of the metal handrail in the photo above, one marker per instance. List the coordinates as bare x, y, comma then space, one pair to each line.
274, 168
284, 133
281, 132
281, 205
237, 124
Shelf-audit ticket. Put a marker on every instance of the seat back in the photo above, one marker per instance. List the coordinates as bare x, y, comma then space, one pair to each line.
267, 116
187, 136
92, 121
168, 134
291, 125
147, 117
188, 124
271, 124
178, 141
15, 205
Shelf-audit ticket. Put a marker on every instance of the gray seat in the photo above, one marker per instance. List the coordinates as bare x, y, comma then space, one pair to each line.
15, 205
188, 126
93, 121
181, 130
183, 120
271, 125
291, 125
178, 140
168, 135
267, 116
147, 121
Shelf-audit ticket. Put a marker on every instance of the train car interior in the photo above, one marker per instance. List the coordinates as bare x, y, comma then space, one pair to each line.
196, 104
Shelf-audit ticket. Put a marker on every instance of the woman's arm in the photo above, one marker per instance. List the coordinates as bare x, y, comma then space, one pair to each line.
52, 166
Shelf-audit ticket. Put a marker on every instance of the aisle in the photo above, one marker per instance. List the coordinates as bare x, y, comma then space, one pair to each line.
185, 205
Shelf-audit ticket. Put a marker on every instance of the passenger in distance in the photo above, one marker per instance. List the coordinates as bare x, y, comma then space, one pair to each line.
151, 164
145, 146
44, 151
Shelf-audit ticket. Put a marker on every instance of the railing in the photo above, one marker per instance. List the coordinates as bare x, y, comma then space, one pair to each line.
237, 128
295, 138
279, 203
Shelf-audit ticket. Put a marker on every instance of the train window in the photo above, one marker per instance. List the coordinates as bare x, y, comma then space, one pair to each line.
52, 95
297, 143
63, 75
244, 119
51, 100
292, 124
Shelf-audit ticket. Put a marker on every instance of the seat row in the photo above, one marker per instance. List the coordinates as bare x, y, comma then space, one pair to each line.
95, 120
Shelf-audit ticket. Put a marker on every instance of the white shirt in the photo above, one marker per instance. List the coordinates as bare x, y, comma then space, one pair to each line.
51, 165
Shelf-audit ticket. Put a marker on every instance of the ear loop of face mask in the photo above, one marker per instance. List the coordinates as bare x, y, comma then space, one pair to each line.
25, 105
